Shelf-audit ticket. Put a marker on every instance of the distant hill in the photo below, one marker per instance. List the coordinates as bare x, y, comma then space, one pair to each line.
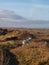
9, 14
11, 19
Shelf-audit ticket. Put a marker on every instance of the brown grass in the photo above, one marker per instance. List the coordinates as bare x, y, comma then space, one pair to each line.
34, 53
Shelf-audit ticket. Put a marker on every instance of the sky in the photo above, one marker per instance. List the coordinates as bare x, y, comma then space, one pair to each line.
30, 9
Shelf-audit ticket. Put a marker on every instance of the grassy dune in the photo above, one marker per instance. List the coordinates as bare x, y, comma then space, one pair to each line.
34, 53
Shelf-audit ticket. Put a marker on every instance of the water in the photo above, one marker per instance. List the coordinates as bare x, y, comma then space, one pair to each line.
26, 24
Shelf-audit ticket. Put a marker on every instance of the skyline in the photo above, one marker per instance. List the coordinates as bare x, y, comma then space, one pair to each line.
30, 9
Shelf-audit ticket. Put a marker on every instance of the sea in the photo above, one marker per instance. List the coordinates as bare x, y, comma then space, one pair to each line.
24, 25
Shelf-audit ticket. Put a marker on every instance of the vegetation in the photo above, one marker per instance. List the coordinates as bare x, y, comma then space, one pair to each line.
35, 53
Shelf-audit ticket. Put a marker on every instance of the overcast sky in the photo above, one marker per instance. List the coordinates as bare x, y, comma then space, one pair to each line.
31, 9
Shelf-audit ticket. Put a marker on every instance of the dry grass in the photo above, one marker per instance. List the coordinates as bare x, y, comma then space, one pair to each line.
34, 53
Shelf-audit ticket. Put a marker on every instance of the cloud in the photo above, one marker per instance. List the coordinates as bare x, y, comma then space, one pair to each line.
40, 6
41, 2
40, 12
